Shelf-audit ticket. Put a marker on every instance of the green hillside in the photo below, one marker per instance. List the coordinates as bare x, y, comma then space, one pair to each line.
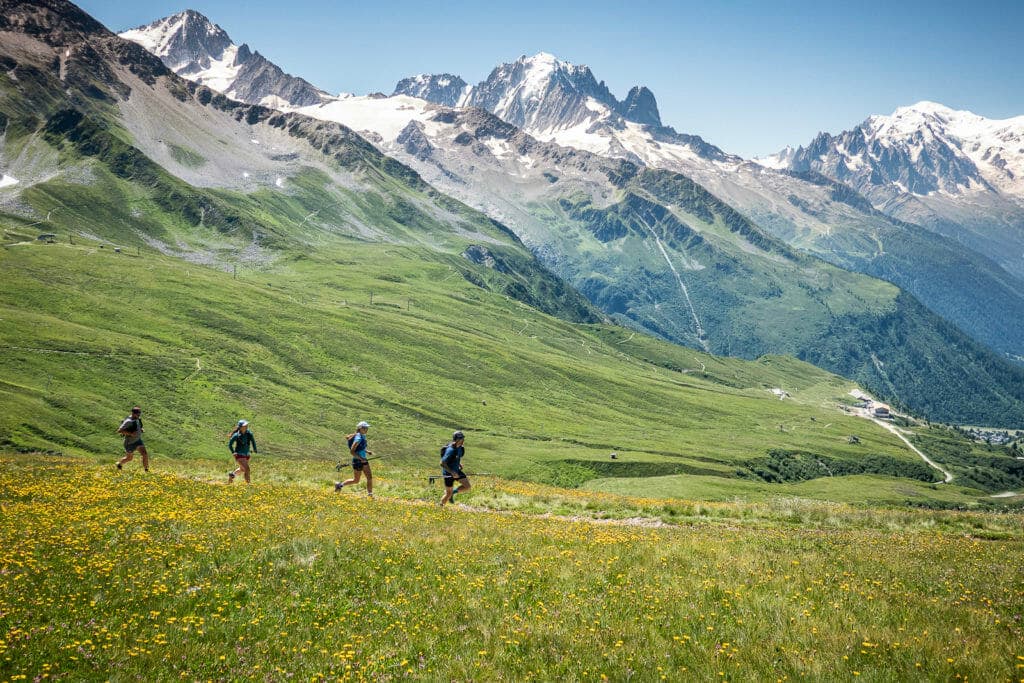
302, 352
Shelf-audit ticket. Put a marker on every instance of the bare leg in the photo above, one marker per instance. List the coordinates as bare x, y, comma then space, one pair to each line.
447, 495
355, 478
145, 458
245, 468
235, 472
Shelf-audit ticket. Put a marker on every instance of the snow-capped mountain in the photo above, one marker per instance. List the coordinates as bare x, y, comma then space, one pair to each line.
443, 89
542, 92
921, 149
557, 101
194, 47
955, 172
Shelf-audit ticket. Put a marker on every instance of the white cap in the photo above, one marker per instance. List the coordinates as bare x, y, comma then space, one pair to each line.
242, 423
362, 424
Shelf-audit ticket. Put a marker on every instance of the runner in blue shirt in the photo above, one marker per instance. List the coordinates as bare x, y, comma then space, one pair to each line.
451, 468
359, 460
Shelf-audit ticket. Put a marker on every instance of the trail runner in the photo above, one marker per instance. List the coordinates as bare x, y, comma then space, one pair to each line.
360, 466
131, 429
451, 468
241, 441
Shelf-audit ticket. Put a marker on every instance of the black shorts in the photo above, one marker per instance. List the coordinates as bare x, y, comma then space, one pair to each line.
450, 477
132, 445
358, 464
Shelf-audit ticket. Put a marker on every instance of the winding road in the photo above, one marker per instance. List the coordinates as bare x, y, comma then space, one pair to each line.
885, 425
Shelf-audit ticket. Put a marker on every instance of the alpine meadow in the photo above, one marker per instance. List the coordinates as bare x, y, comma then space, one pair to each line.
705, 441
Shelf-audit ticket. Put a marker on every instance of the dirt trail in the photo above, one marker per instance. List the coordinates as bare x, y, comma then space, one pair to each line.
892, 428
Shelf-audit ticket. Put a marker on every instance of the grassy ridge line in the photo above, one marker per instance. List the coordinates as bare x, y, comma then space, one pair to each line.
163, 578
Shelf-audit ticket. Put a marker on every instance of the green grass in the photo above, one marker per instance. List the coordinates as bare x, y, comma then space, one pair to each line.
187, 157
163, 577
356, 300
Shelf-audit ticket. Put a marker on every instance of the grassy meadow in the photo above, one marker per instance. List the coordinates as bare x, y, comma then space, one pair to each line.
158, 577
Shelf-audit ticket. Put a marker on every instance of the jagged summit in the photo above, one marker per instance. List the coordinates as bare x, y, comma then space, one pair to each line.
196, 48
445, 89
182, 39
922, 149
536, 92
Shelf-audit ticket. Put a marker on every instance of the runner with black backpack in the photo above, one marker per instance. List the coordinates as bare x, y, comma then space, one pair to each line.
451, 468
357, 447
131, 430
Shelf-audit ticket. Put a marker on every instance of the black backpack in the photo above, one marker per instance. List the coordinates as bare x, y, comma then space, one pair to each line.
131, 425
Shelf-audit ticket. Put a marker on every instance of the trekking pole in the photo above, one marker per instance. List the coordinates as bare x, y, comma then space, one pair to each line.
435, 477
341, 464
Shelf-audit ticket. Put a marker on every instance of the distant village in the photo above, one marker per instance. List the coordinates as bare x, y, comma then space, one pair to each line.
877, 409
1002, 438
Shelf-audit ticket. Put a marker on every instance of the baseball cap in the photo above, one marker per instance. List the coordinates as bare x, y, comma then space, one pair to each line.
362, 424
458, 435
242, 423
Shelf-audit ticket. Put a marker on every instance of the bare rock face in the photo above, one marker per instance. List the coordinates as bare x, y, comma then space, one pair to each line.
640, 106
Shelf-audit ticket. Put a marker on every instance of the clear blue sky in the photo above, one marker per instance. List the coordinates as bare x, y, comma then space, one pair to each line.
750, 77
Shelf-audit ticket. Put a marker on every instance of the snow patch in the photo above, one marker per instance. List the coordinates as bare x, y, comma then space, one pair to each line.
777, 161
8, 180
596, 107
386, 116
279, 182
499, 148
274, 102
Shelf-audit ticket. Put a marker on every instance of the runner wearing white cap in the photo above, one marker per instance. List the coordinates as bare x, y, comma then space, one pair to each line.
360, 466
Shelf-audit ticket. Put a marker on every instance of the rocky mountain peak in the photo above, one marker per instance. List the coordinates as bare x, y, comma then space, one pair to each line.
640, 106
194, 47
538, 92
55, 22
183, 41
444, 89
920, 149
